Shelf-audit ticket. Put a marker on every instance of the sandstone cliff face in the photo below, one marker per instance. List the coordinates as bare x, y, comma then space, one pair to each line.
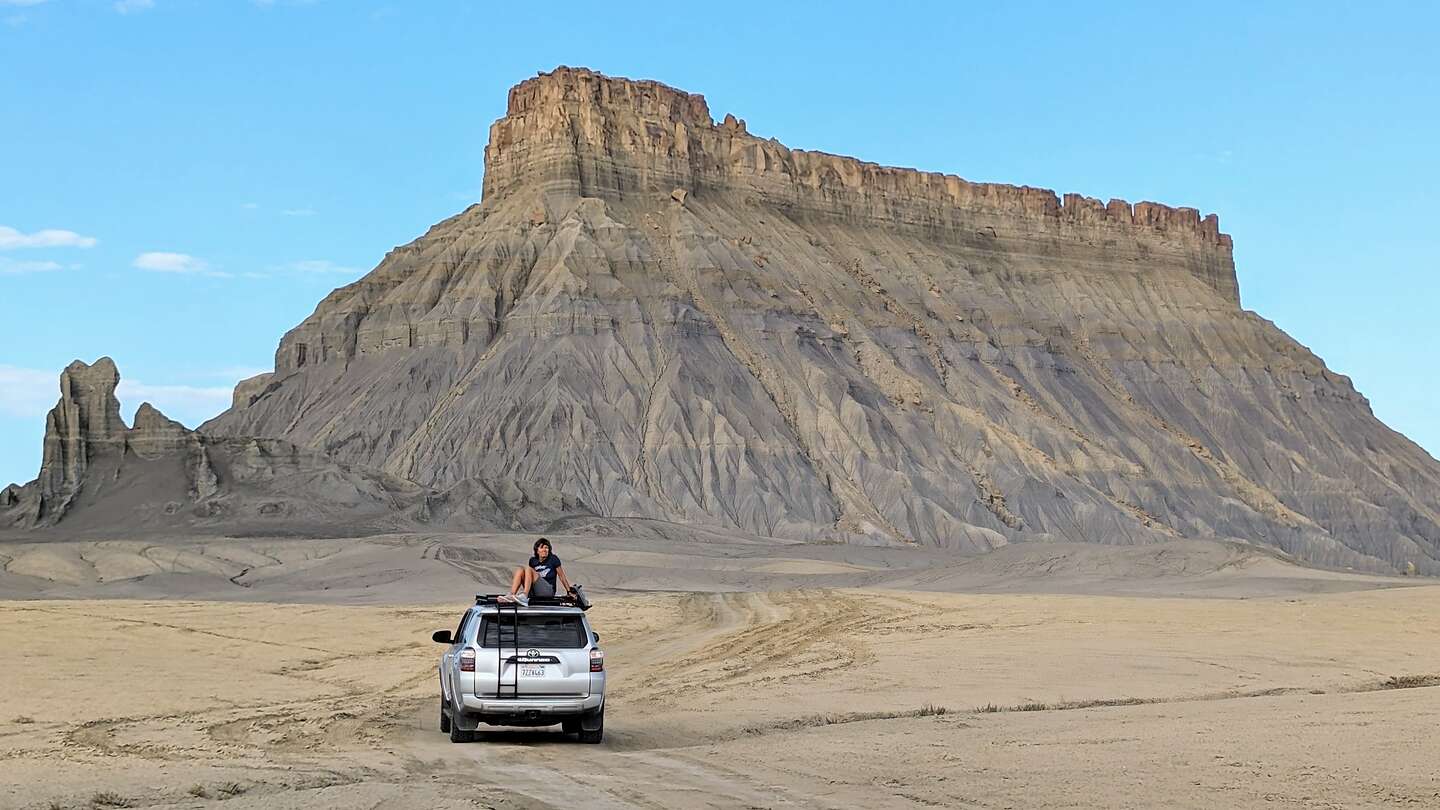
667, 317
578, 133
99, 475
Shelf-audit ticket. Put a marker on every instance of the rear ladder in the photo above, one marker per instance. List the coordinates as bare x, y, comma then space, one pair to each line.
494, 599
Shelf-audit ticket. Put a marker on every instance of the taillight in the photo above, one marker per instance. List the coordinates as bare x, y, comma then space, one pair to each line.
467, 661
597, 660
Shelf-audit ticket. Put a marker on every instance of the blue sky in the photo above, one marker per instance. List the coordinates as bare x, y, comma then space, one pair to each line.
183, 180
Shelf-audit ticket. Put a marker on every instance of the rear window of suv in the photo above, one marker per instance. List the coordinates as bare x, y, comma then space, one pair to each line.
536, 630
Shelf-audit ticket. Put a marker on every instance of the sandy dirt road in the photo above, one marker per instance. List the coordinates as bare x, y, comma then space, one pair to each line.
834, 698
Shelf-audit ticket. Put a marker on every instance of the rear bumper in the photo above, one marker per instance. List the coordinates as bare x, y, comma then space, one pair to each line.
487, 707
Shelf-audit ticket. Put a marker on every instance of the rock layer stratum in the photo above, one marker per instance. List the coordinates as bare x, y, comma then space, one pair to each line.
668, 317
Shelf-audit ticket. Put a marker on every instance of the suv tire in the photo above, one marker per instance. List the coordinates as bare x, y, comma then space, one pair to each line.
459, 735
593, 737
444, 718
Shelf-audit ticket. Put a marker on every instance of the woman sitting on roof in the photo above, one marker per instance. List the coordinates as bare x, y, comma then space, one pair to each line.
538, 577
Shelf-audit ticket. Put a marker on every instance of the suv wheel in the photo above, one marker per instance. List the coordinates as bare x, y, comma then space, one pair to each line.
457, 735
444, 718
592, 737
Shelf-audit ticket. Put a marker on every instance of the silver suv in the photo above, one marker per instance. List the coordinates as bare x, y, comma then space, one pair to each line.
522, 665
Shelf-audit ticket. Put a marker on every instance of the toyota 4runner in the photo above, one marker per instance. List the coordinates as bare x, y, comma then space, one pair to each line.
522, 665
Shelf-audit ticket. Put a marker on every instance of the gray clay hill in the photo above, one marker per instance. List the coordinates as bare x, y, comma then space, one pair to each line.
654, 315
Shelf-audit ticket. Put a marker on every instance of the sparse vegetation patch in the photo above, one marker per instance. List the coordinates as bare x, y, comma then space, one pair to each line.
1410, 681
814, 720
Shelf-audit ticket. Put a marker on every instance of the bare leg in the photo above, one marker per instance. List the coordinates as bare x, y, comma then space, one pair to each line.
520, 579
529, 578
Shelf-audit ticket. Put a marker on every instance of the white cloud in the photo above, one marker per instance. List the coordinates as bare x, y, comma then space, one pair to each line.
303, 211
29, 393
165, 262
168, 262
189, 404
311, 267
132, 6
17, 20
11, 267
237, 373
315, 266
11, 238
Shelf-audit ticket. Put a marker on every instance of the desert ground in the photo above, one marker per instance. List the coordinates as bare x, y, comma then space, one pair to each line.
294, 673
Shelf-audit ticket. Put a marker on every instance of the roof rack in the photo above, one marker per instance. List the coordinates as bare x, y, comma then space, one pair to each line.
535, 601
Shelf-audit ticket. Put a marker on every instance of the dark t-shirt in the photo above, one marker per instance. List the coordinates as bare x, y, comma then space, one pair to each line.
546, 570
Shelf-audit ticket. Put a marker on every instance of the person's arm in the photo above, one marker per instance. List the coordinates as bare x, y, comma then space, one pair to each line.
564, 580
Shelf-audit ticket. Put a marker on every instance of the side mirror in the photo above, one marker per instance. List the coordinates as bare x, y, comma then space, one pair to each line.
442, 637
595, 636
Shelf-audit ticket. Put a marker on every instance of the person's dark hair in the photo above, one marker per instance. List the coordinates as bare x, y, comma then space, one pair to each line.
541, 542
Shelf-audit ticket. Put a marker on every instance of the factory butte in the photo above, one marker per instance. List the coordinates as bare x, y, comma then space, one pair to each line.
652, 316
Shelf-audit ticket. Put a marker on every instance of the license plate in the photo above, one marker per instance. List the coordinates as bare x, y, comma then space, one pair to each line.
532, 671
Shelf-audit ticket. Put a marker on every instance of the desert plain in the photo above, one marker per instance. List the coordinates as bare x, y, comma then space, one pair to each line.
299, 673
